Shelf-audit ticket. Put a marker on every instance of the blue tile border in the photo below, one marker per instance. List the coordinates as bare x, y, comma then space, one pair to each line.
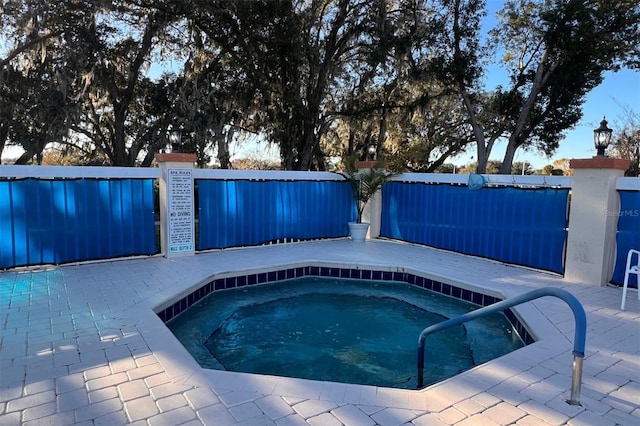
218, 284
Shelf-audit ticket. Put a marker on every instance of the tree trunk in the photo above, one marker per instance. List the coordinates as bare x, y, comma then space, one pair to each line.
483, 149
118, 138
481, 166
351, 140
4, 135
148, 158
382, 132
507, 162
24, 158
223, 148
523, 127
309, 146
287, 154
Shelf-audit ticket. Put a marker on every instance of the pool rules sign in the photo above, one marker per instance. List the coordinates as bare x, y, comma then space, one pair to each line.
180, 211
177, 235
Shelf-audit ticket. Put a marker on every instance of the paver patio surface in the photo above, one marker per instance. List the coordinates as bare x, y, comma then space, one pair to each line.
80, 344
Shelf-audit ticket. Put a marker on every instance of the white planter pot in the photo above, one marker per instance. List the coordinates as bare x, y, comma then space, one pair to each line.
358, 231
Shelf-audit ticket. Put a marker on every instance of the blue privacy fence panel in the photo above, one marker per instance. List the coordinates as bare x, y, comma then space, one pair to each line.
628, 235
513, 225
242, 212
59, 221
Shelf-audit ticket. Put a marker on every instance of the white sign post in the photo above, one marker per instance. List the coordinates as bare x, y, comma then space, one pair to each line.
177, 234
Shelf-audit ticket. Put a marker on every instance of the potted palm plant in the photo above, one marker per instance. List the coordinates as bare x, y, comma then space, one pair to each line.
365, 183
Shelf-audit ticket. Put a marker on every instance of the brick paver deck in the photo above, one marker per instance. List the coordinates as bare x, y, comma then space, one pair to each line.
82, 345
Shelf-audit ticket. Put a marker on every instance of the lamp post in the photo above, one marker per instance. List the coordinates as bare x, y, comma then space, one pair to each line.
175, 138
602, 137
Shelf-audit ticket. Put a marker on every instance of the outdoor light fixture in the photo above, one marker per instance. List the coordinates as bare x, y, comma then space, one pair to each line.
371, 151
175, 138
602, 137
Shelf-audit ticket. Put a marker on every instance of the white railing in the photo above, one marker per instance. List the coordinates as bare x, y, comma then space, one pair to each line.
628, 184
78, 172
491, 180
264, 175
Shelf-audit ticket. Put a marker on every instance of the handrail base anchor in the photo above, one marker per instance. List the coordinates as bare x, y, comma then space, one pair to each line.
576, 380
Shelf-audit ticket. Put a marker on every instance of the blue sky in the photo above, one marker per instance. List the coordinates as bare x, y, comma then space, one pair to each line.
618, 91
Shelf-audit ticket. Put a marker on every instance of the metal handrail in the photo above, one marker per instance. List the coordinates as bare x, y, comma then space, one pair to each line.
579, 339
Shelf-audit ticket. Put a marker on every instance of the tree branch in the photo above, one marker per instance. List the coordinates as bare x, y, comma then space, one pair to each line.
28, 45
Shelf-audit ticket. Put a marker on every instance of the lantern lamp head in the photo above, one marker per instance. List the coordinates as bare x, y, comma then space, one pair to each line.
602, 137
372, 151
174, 133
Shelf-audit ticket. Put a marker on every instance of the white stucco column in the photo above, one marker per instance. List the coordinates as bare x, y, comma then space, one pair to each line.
593, 218
372, 212
177, 215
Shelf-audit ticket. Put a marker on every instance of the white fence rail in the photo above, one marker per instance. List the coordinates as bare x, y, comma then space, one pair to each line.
628, 184
78, 172
491, 180
264, 175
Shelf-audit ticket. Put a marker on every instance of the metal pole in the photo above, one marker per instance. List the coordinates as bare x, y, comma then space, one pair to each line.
420, 365
576, 380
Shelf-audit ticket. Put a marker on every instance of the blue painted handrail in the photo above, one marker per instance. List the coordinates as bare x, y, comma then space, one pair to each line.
579, 340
